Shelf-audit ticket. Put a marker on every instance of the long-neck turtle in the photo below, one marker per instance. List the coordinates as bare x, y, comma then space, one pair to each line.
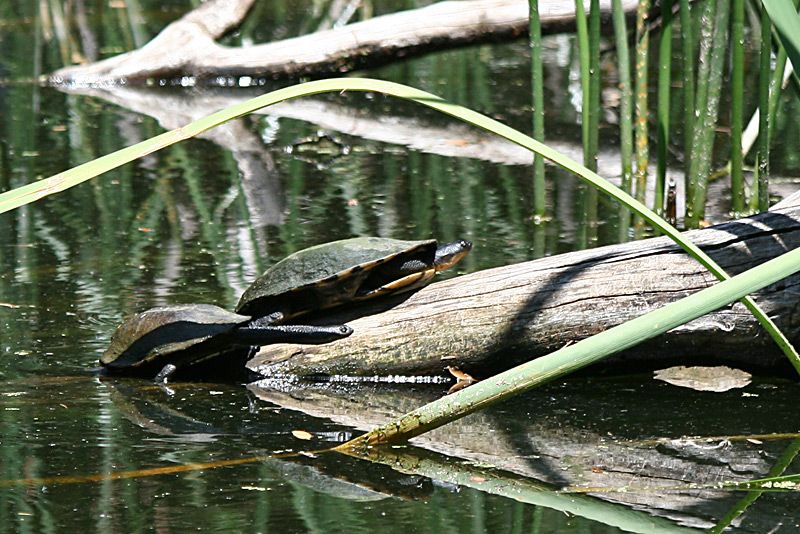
167, 338
346, 271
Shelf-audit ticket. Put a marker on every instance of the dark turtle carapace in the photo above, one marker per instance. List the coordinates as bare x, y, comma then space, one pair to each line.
164, 339
342, 272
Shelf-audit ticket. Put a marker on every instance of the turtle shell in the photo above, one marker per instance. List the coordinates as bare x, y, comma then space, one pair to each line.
152, 337
336, 273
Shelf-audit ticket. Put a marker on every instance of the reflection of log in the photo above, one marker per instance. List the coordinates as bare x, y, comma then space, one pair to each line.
187, 46
451, 139
570, 435
501, 317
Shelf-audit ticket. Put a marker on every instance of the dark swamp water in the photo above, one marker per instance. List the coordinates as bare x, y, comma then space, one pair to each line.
198, 221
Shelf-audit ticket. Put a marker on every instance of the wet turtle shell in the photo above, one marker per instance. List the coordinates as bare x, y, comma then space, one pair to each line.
155, 337
168, 338
339, 272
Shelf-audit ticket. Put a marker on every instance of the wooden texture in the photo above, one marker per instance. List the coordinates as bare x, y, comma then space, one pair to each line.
187, 47
497, 318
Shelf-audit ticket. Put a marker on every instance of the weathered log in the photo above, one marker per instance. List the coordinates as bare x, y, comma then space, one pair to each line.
187, 47
498, 318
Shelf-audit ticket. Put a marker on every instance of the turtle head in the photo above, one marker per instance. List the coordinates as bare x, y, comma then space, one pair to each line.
449, 254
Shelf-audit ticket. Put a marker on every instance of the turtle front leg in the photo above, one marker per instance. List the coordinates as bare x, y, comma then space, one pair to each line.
164, 374
267, 320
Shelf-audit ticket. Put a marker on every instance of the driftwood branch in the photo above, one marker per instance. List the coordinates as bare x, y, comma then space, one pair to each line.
187, 47
498, 318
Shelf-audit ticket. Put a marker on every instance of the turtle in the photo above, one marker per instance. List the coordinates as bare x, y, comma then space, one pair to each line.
167, 338
346, 271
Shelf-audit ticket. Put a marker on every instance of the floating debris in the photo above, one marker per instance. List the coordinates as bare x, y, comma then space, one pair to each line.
717, 379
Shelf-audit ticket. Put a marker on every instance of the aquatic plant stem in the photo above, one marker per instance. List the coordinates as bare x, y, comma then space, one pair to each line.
590, 159
537, 89
709, 81
625, 110
641, 112
762, 154
582, 35
737, 107
664, 88
577, 356
687, 51
31, 192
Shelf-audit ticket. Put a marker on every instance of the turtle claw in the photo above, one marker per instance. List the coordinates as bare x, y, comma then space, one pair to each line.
164, 374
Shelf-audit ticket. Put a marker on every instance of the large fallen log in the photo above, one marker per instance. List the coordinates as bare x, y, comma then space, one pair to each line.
187, 47
494, 319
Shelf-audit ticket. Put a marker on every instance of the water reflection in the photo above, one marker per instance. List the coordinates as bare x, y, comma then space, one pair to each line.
196, 222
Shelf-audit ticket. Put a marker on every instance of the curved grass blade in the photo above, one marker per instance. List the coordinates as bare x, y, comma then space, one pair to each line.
34, 191
786, 20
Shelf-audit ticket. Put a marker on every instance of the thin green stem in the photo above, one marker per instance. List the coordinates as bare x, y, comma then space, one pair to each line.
641, 114
737, 107
709, 83
664, 87
582, 34
762, 155
594, 85
687, 51
625, 109
537, 88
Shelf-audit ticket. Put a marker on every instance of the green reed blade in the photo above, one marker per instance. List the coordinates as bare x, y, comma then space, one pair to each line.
786, 20
642, 148
664, 88
737, 107
625, 109
590, 158
582, 35
709, 88
537, 88
762, 154
687, 50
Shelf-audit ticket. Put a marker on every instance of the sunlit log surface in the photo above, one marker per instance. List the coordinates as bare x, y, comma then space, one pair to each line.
497, 318
187, 47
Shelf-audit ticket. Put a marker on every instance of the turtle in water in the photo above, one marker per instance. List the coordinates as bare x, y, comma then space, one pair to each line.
346, 271
164, 339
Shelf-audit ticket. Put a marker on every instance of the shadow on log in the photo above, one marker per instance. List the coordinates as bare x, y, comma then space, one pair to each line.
498, 318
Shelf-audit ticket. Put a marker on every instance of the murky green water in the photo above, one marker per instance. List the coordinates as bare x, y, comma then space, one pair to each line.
197, 222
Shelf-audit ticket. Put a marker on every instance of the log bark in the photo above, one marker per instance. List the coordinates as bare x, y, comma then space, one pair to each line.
498, 318
187, 47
